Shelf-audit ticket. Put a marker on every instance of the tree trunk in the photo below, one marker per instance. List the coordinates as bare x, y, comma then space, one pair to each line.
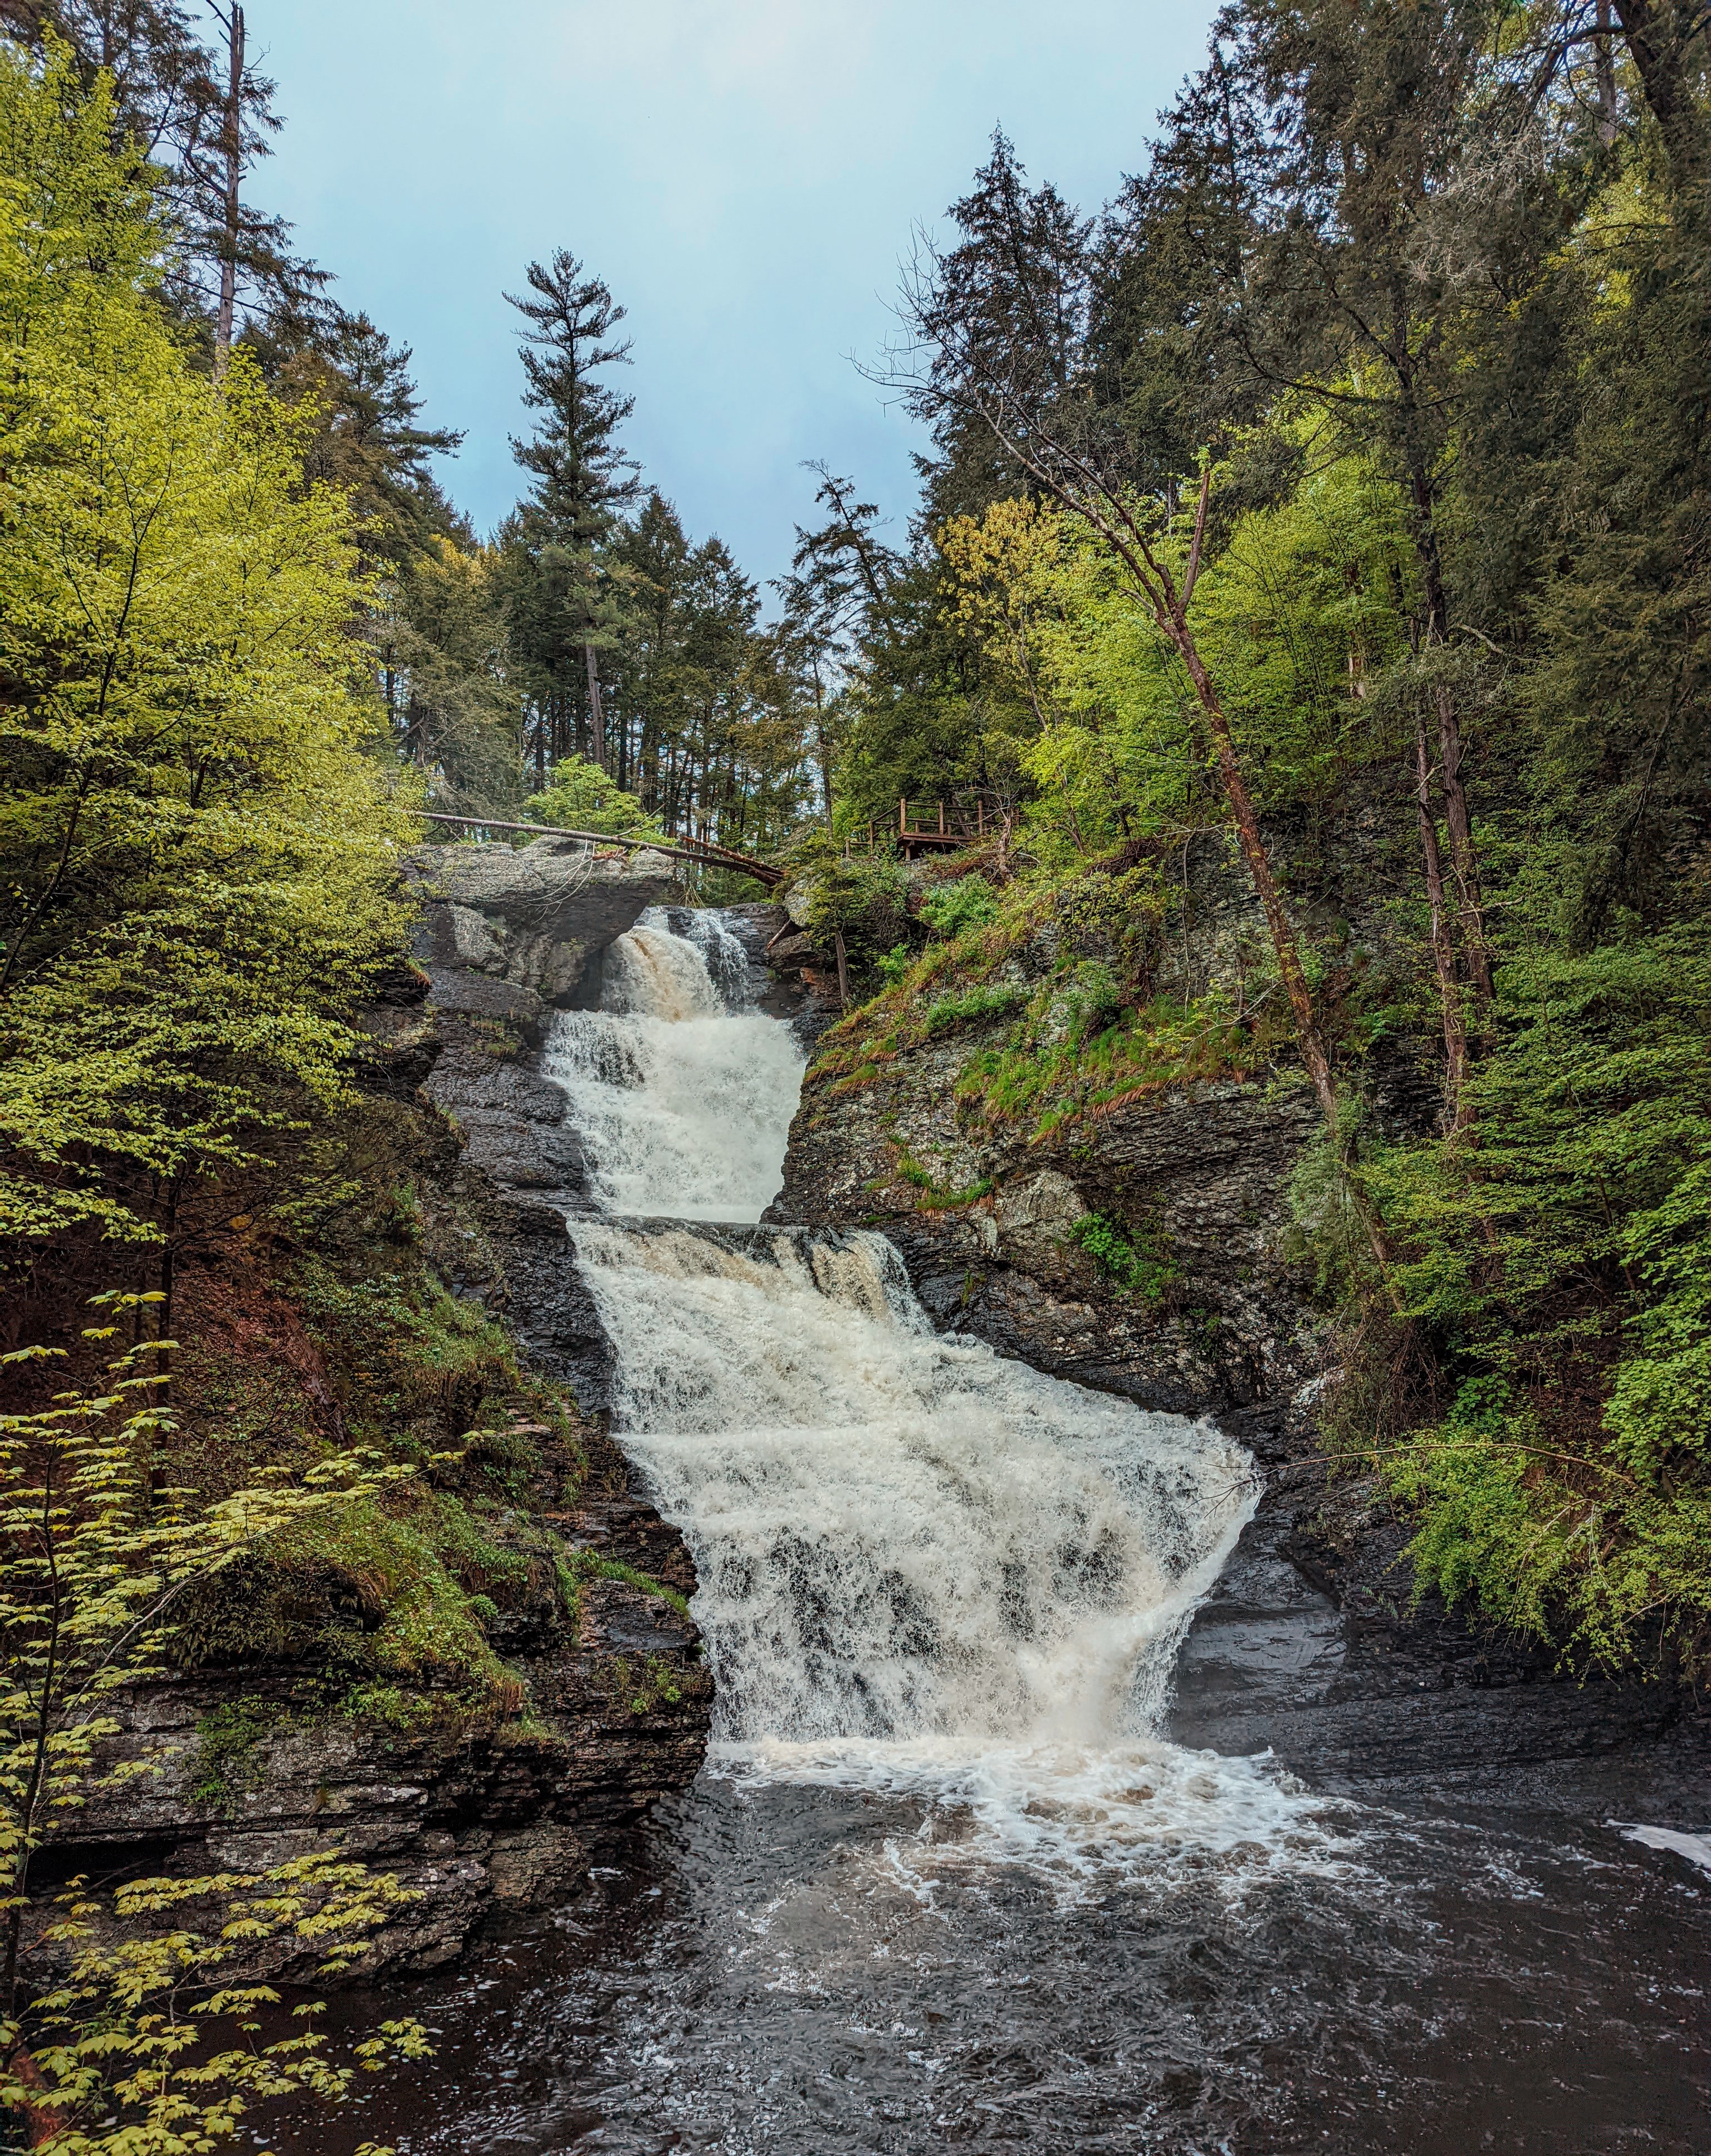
233, 145
1604, 69
169, 1268
824, 746
1307, 1036
596, 717
1658, 35
1444, 956
1464, 859
1259, 867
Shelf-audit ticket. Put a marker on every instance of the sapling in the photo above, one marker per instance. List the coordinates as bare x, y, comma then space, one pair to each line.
108, 2017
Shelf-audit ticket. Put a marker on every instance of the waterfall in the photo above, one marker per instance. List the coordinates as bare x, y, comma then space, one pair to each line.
923, 1567
682, 1092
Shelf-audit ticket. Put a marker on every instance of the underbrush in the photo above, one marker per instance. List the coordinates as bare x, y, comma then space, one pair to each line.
1072, 964
1074, 1057
1532, 1378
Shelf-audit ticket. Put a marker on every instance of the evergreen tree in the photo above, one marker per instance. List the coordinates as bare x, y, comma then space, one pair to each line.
368, 438
840, 577
1007, 305
181, 103
582, 481
1003, 322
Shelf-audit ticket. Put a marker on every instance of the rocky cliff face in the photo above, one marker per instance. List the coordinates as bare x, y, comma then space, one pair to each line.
504, 939
489, 1813
1313, 1644
478, 1816
1197, 1175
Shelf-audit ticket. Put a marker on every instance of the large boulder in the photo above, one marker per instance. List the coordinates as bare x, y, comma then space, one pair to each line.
504, 939
538, 917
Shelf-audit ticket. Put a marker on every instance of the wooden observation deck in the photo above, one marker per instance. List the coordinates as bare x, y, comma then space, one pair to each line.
963, 821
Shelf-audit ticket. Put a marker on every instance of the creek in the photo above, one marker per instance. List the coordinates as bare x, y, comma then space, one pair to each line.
946, 1880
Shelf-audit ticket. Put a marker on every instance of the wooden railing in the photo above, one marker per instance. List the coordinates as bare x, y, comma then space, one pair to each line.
958, 820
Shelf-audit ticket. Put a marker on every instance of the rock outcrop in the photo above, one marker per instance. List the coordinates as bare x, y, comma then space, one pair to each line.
985, 1223
489, 1812
536, 918
504, 939
1313, 1644
476, 1816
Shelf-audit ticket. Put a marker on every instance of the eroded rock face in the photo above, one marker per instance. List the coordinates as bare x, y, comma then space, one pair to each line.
537, 917
477, 1816
1313, 1645
1194, 1177
505, 938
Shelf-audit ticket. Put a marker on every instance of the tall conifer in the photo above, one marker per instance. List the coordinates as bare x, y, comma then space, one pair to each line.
582, 481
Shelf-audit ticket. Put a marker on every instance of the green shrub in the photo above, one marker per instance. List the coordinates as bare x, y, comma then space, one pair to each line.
968, 1008
970, 902
1138, 1260
863, 899
1555, 1276
579, 797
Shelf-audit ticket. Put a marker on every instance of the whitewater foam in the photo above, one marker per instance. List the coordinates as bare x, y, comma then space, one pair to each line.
682, 1097
924, 1569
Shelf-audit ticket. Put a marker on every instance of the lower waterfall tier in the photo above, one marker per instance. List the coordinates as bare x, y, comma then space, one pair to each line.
921, 1565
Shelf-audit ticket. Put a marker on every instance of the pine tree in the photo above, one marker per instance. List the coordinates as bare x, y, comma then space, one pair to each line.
840, 576
203, 124
582, 481
369, 440
1015, 288
1003, 322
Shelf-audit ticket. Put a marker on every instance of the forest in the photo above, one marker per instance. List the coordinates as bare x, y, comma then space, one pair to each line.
1336, 493
1330, 511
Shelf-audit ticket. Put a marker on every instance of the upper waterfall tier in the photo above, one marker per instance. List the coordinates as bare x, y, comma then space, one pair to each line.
681, 1089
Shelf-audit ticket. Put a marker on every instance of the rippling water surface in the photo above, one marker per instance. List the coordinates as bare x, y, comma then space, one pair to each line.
811, 1970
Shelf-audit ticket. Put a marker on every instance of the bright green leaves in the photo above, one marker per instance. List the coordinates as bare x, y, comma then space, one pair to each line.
95, 1565
969, 902
1137, 1260
197, 859
582, 798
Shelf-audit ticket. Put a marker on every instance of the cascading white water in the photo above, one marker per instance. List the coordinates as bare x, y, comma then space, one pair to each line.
923, 1567
682, 1096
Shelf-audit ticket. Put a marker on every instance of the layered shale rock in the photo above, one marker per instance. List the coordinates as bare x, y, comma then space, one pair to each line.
504, 939
480, 1811
988, 1222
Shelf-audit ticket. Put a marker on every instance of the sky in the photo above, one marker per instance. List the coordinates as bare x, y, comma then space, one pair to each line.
744, 174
